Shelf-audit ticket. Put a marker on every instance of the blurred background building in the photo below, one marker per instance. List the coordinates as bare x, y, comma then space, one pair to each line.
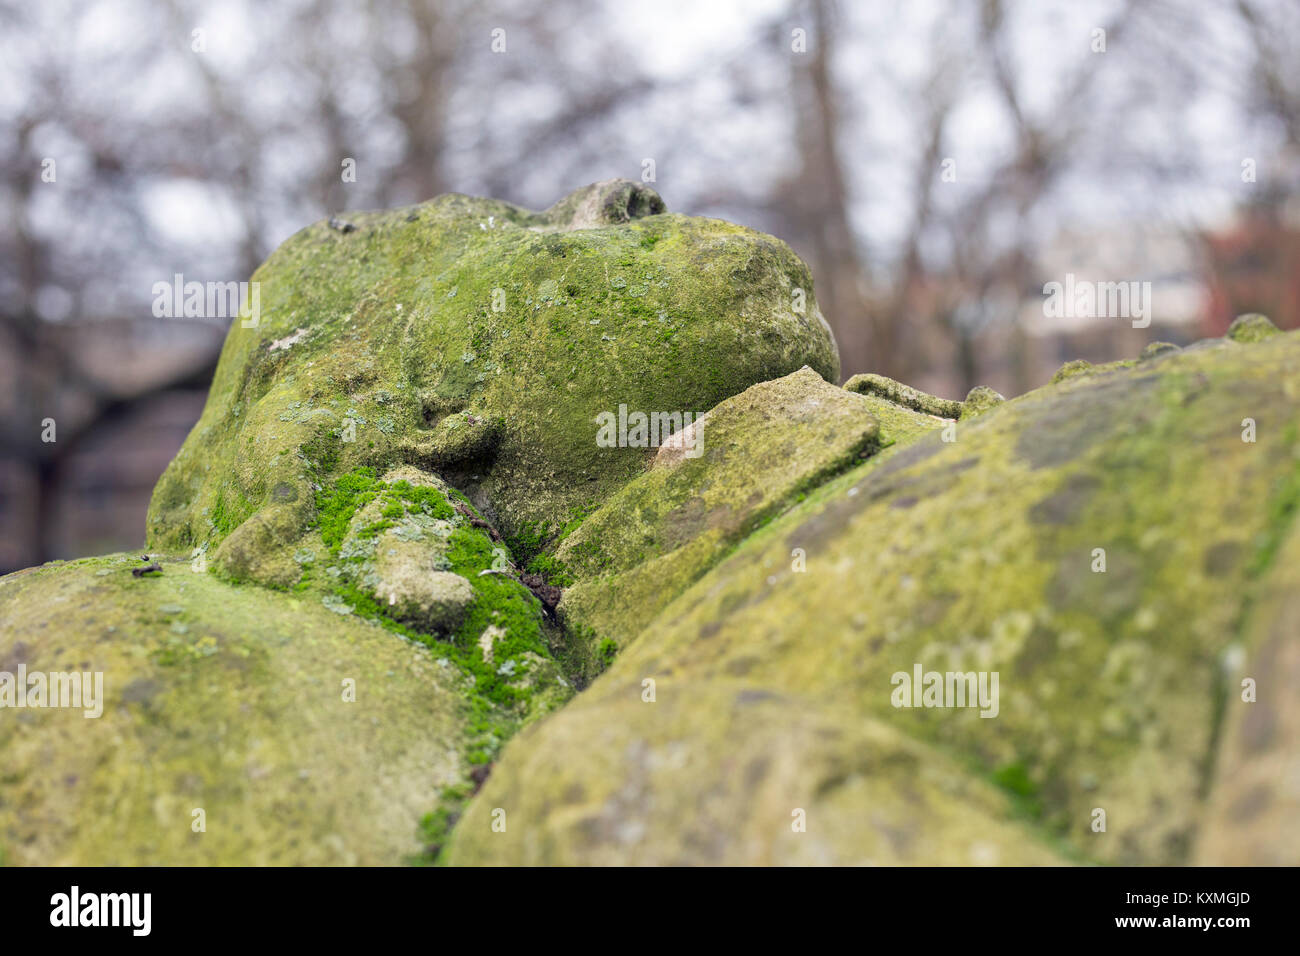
936, 163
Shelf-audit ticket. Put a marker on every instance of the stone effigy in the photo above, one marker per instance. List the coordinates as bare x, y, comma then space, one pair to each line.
758, 619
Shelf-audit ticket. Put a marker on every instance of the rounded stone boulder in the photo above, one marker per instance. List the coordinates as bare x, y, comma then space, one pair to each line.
480, 340
430, 600
235, 725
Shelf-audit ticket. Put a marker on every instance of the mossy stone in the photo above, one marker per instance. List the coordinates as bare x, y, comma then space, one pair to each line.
1251, 327
479, 340
1105, 544
1155, 350
1071, 369
870, 383
754, 454
979, 400
344, 635
232, 701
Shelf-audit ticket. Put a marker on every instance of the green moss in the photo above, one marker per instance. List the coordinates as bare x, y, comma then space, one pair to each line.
552, 569
323, 452
436, 826
1014, 779
428, 500
607, 651
502, 602
527, 541
515, 682
226, 518
336, 506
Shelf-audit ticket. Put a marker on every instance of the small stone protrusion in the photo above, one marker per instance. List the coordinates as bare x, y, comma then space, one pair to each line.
1251, 327
1071, 369
459, 440
1156, 349
869, 383
979, 400
610, 202
432, 600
